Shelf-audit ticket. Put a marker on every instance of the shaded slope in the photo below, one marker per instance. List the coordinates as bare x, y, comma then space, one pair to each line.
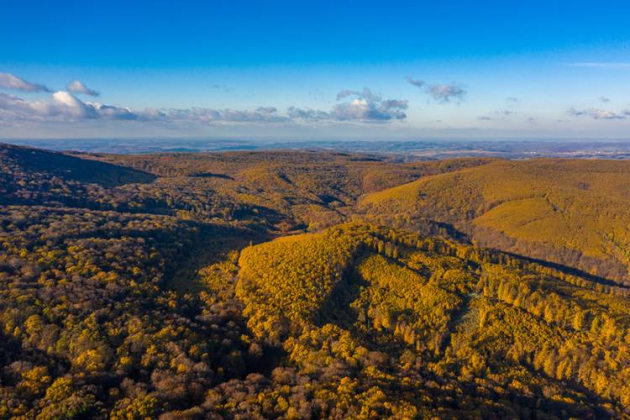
33, 176
69, 168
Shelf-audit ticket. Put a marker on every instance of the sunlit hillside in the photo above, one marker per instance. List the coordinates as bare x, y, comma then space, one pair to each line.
391, 321
572, 212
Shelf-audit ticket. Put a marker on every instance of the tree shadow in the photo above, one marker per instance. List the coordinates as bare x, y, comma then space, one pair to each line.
337, 309
212, 244
570, 270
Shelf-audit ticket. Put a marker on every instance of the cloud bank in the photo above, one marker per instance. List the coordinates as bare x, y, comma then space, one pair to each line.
358, 106
367, 106
63, 106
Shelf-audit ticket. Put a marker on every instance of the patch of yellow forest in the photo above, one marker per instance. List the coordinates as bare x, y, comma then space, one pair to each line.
392, 309
575, 212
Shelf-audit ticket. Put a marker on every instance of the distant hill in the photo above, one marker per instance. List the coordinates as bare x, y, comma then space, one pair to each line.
294, 189
70, 168
574, 212
36, 176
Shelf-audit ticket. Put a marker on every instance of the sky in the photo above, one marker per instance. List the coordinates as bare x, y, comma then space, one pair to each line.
310, 70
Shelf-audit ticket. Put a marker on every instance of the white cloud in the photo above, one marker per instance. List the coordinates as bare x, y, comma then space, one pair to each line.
14, 108
73, 106
599, 114
367, 106
77, 87
9, 81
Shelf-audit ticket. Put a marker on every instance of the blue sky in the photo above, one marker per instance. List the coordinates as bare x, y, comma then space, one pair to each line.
315, 69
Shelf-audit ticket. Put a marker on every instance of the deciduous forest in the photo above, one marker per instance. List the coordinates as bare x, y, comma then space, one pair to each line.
312, 284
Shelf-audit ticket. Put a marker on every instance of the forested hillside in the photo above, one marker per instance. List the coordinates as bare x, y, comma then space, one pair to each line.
290, 190
573, 212
311, 285
32, 176
393, 324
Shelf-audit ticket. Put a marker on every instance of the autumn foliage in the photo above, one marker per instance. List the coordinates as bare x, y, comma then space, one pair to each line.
312, 285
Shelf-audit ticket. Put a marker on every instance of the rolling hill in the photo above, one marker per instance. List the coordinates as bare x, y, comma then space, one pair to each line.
573, 212
285, 191
372, 311
34, 176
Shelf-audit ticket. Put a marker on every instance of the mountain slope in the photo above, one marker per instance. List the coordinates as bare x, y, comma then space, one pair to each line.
34, 176
567, 211
69, 168
489, 327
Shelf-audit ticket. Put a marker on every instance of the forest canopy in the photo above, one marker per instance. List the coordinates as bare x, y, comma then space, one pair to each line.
311, 284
